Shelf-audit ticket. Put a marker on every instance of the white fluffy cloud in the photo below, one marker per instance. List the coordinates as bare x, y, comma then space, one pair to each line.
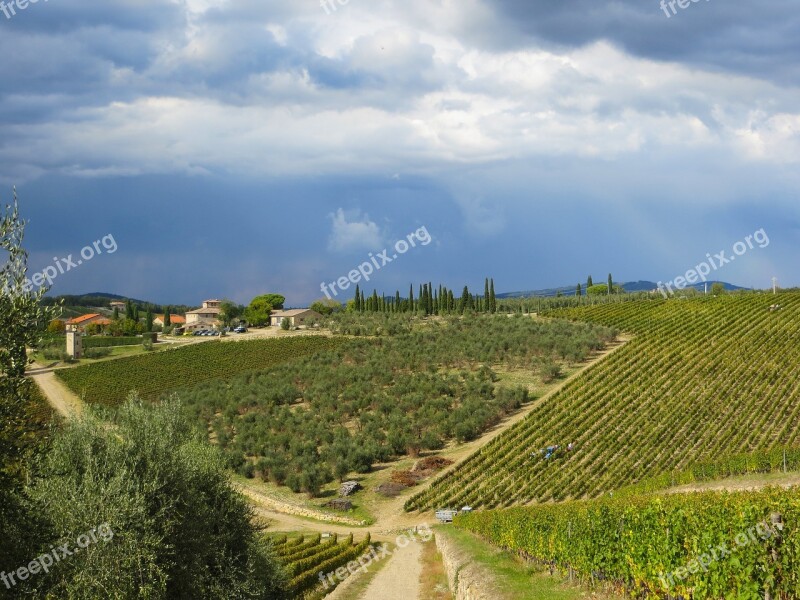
398, 100
353, 231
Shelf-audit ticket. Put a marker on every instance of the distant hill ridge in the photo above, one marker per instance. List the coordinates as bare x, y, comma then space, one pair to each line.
631, 286
97, 300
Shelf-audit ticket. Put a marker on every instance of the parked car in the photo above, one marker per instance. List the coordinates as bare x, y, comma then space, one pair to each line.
200, 332
240, 329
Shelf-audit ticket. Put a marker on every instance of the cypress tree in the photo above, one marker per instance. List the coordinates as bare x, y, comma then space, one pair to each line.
492, 298
578, 290
610, 284
116, 313
167, 317
486, 293
148, 321
589, 282
465, 300
358, 299
411, 298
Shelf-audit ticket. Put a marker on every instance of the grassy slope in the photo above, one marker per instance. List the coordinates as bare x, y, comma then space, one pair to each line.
701, 379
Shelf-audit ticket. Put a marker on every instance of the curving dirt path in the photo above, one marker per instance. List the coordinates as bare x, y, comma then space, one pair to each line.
57, 394
399, 580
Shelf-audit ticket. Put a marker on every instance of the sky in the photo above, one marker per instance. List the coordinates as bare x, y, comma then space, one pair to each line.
236, 147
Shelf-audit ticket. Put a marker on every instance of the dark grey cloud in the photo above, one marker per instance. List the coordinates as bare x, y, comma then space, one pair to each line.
759, 39
60, 18
198, 136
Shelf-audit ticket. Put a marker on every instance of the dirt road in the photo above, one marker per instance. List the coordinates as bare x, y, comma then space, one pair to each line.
59, 396
399, 580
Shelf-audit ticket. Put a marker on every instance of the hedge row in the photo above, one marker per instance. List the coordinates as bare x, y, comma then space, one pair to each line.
110, 341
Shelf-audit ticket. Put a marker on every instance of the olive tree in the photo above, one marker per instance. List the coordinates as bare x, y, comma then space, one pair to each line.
22, 318
175, 528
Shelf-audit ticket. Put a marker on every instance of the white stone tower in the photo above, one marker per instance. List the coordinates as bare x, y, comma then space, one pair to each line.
74, 342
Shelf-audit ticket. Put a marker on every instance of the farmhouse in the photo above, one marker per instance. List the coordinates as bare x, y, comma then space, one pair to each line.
173, 319
80, 323
118, 304
206, 316
298, 316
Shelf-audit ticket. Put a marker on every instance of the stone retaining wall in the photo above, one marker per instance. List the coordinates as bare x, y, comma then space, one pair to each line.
467, 580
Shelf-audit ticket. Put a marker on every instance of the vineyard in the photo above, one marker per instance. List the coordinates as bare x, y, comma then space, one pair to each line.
712, 545
305, 423
703, 379
304, 558
152, 375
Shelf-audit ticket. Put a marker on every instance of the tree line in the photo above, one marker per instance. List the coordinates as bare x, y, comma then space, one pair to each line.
428, 301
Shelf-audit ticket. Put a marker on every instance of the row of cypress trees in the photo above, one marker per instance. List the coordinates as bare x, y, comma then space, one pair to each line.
429, 301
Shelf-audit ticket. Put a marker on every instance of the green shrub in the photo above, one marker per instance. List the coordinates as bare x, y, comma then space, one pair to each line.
178, 529
107, 341
55, 354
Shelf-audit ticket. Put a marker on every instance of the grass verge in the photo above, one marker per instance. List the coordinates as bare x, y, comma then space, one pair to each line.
515, 579
433, 579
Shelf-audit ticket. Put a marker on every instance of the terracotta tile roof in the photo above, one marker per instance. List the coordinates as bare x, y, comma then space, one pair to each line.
173, 318
82, 319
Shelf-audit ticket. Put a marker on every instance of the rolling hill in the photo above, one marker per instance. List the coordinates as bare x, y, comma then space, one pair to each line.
702, 379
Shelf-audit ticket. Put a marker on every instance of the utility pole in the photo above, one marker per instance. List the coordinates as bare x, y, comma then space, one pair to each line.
774, 285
